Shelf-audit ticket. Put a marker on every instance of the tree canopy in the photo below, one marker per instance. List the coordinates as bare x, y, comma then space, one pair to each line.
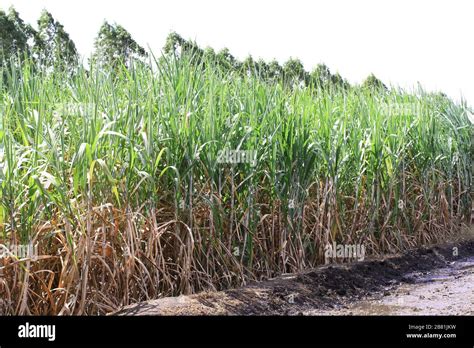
114, 45
54, 47
51, 46
16, 37
373, 83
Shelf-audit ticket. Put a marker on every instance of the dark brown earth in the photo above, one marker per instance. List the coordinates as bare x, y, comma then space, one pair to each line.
368, 287
444, 291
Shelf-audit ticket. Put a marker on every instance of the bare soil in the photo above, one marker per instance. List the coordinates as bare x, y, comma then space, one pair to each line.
434, 280
445, 291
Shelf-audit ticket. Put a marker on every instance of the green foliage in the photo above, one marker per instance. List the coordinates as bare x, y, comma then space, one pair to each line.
372, 83
294, 72
338, 81
275, 70
248, 66
173, 42
302, 138
321, 76
226, 61
115, 46
16, 37
132, 162
54, 48
50, 45
209, 54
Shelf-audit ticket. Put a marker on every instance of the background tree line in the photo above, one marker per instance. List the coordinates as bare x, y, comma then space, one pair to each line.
50, 46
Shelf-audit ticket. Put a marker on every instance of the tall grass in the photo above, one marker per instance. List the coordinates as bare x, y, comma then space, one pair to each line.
116, 176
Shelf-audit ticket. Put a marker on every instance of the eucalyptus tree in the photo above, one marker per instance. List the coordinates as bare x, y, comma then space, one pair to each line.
275, 70
248, 66
173, 43
373, 83
321, 76
114, 46
16, 37
209, 55
339, 82
294, 72
53, 46
227, 61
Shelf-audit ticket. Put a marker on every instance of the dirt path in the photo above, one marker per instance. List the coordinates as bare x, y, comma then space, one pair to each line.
446, 291
436, 280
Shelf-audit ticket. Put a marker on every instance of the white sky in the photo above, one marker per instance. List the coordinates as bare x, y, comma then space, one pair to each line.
401, 41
